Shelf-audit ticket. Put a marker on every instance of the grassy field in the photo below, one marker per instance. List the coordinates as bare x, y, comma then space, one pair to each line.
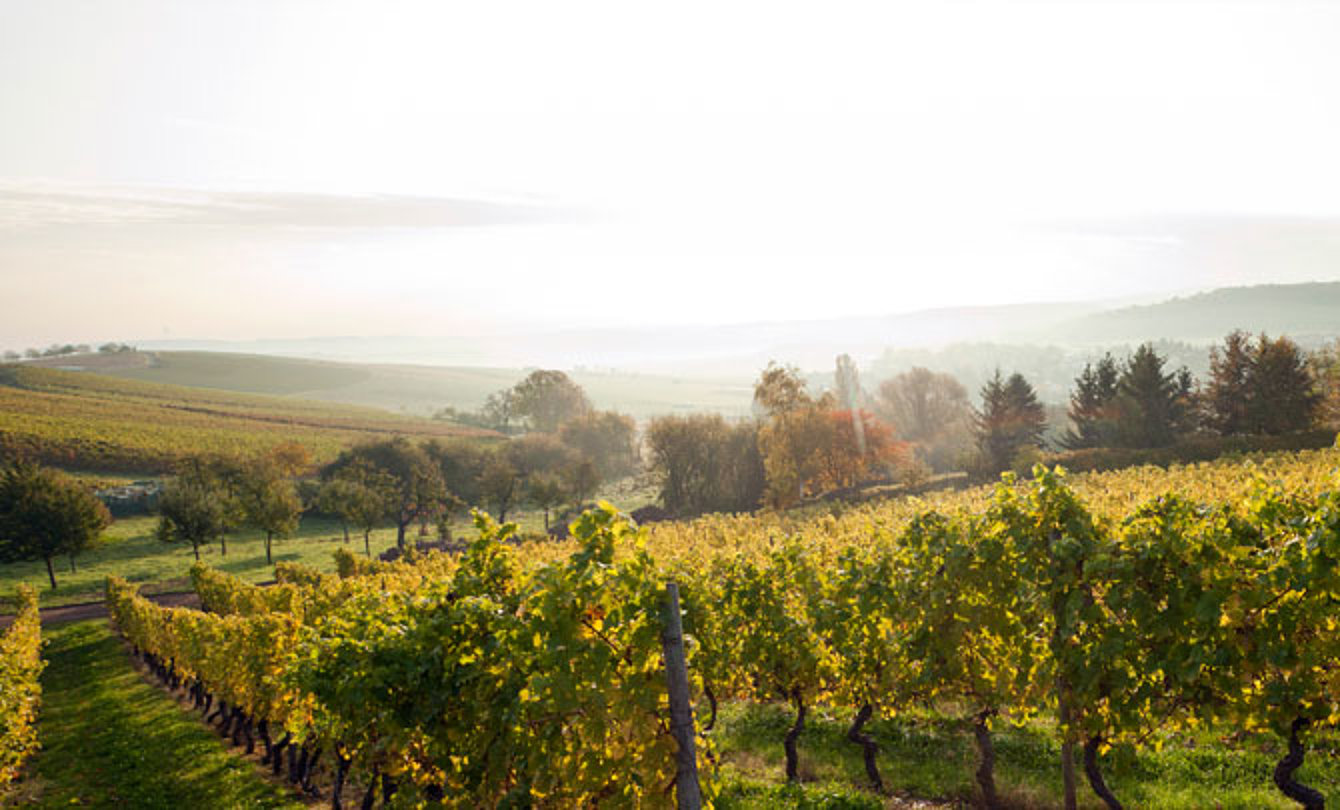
99, 423
131, 551
408, 388
931, 758
111, 739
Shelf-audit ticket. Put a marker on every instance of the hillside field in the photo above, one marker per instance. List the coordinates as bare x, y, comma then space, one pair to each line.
414, 389
92, 422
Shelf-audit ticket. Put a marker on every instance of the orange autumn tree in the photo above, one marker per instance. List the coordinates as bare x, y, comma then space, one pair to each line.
857, 446
809, 445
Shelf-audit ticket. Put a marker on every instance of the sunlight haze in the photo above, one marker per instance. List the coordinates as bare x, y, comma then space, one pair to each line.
244, 170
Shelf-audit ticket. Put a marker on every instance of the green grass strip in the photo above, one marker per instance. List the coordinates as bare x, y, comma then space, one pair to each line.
110, 739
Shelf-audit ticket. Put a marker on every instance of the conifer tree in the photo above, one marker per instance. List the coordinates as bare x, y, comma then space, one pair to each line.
1281, 397
1262, 387
1010, 419
1229, 387
1093, 410
1154, 405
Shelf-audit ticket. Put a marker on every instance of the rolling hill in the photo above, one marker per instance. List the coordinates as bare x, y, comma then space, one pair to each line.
1307, 312
406, 388
98, 423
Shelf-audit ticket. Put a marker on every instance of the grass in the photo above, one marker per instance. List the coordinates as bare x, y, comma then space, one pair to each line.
110, 739
932, 758
131, 551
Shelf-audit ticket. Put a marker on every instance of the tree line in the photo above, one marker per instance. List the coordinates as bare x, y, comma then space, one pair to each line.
1258, 386
571, 449
799, 444
63, 349
920, 422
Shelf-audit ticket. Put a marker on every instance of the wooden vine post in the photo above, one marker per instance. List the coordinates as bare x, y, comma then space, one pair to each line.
688, 793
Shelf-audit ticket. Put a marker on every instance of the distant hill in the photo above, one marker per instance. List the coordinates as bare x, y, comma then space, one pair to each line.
1307, 312
691, 354
407, 388
736, 352
679, 369
98, 423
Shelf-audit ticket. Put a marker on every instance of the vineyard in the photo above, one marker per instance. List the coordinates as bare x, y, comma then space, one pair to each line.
93, 422
1127, 610
20, 692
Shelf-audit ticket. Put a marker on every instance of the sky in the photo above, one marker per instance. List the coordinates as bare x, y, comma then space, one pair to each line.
285, 169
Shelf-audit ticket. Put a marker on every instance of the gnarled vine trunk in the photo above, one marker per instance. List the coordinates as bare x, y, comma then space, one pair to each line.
868, 745
342, 763
792, 757
1067, 754
1310, 798
1100, 788
712, 703
986, 764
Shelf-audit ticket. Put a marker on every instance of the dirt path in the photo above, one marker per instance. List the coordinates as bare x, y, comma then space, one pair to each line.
97, 610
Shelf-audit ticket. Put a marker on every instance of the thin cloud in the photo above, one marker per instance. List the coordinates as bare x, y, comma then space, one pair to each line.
30, 205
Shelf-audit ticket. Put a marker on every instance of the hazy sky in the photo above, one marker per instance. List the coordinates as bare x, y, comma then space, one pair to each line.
239, 169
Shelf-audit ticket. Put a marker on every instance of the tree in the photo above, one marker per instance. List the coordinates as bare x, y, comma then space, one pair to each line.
269, 498
582, 480
419, 490
43, 514
780, 389
847, 384
705, 464
1010, 419
369, 496
539, 454
499, 411
931, 411
500, 485
855, 447
1282, 398
1229, 389
193, 509
333, 498
461, 463
1154, 406
1093, 407
606, 438
1325, 365
546, 492
227, 478
547, 399
794, 431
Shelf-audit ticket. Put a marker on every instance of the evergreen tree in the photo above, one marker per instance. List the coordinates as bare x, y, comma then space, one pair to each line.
1154, 406
1227, 394
1281, 396
1266, 387
1093, 410
1010, 419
